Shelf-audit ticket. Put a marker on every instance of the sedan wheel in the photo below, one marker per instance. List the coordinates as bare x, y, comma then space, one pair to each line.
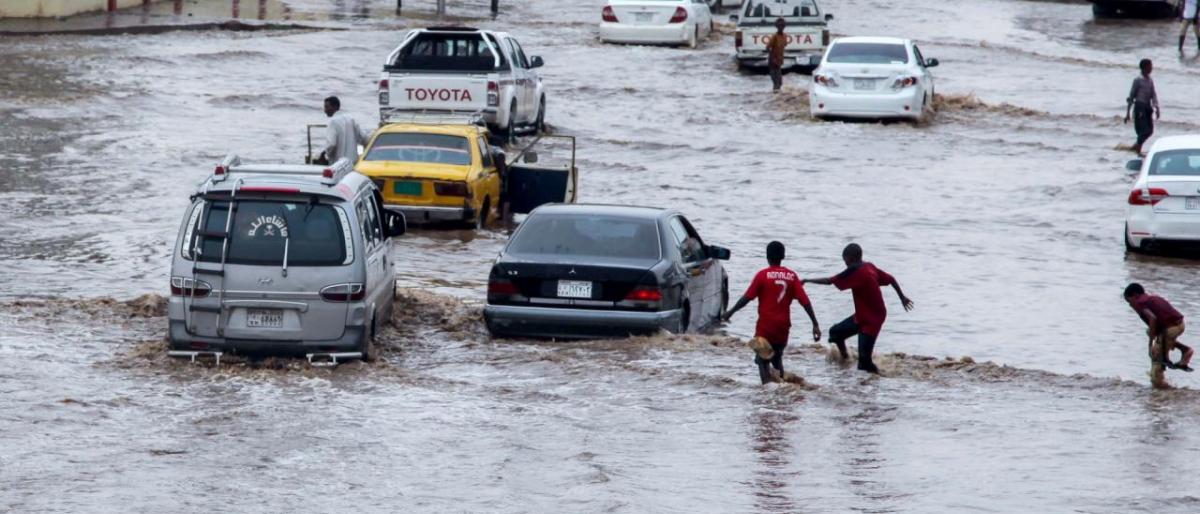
1129, 246
694, 39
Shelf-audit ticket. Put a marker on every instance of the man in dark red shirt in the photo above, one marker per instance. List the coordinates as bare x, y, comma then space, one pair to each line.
863, 279
775, 287
1165, 325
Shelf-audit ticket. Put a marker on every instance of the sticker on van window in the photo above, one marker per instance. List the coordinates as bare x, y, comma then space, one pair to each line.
272, 226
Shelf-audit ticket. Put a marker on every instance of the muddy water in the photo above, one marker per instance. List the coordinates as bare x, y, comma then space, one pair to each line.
1002, 218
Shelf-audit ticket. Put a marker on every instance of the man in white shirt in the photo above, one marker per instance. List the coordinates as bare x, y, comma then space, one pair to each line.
1191, 17
342, 135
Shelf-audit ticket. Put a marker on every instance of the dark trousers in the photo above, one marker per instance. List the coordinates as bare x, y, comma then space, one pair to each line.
838, 335
764, 372
776, 76
1143, 122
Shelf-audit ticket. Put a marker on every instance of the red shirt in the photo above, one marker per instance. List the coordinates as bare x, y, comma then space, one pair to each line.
864, 280
1162, 310
775, 288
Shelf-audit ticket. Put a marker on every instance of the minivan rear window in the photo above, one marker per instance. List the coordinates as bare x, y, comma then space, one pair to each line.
312, 233
1176, 162
587, 236
417, 147
768, 11
868, 53
449, 51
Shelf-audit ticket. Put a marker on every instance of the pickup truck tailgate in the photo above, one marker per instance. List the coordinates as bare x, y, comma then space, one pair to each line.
800, 39
438, 92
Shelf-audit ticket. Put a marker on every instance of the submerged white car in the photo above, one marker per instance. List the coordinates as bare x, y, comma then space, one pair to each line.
872, 77
670, 22
1164, 205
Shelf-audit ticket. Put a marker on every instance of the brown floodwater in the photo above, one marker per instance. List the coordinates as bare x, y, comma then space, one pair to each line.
1002, 217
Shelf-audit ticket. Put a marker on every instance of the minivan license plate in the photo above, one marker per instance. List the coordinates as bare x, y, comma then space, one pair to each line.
1193, 203
264, 318
574, 289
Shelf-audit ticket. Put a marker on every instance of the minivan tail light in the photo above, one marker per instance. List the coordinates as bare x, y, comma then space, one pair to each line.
182, 286
384, 92
680, 15
493, 94
1147, 196
341, 293
609, 15
451, 189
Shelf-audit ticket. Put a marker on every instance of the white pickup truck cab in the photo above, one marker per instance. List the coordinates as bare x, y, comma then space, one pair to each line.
463, 70
807, 31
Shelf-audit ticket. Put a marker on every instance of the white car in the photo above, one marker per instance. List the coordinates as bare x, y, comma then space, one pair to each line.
1164, 205
672, 22
872, 77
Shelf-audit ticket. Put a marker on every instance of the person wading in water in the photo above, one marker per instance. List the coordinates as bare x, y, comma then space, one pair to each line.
1144, 102
776, 45
1164, 326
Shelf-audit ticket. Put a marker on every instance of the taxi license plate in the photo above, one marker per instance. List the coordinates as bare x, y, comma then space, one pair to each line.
864, 83
407, 188
1193, 203
574, 289
264, 318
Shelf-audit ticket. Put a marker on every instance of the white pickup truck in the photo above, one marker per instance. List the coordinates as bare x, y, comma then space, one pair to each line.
807, 31
462, 70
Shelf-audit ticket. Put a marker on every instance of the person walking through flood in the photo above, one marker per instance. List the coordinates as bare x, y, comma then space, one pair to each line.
1191, 18
342, 135
1164, 326
863, 279
1144, 102
776, 45
775, 287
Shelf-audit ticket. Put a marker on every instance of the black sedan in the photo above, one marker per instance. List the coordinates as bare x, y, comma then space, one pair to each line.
581, 271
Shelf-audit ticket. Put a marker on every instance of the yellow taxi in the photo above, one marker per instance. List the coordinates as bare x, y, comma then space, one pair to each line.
435, 173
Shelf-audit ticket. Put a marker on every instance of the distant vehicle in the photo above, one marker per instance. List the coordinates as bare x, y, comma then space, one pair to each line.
1136, 8
676, 22
464, 70
872, 77
582, 271
1164, 205
717, 6
807, 31
283, 259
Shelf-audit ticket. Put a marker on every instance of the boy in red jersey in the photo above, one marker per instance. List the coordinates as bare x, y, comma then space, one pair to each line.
863, 279
775, 287
1165, 325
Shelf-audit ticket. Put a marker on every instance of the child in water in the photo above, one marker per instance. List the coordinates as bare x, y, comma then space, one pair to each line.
1165, 325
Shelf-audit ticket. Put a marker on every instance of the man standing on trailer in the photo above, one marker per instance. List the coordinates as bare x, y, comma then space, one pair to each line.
342, 135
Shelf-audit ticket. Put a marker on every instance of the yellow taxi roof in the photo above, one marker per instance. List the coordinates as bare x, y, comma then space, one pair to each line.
466, 130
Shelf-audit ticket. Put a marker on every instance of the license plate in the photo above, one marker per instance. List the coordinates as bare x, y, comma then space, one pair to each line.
643, 16
407, 188
1193, 203
264, 318
864, 83
574, 289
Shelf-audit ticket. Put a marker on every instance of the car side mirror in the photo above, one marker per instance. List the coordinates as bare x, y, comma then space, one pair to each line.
931, 63
395, 225
1134, 165
499, 158
733, 18
536, 62
828, 17
719, 253
531, 157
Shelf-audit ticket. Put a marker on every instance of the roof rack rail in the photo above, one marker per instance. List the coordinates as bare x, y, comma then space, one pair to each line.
432, 117
452, 28
330, 175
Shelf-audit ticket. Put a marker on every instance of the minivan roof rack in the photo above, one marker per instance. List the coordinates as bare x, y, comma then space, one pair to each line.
433, 117
330, 175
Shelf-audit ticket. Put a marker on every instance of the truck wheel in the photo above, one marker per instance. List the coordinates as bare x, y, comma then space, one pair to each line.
540, 124
511, 130
481, 220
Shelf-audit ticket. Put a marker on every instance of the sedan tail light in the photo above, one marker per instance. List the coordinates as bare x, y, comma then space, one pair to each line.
737, 39
182, 286
1147, 196
451, 189
825, 80
643, 298
502, 290
384, 94
680, 15
609, 15
493, 94
342, 293
904, 82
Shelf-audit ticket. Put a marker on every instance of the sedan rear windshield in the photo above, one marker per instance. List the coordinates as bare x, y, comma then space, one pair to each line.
311, 233
868, 53
448, 51
587, 236
1176, 162
418, 147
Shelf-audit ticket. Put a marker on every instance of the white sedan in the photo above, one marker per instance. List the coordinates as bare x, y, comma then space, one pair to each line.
1164, 205
673, 22
872, 77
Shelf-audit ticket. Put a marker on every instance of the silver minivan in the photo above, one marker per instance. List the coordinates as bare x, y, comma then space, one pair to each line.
283, 259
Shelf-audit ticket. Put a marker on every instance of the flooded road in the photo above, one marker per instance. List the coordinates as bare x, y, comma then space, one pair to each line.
1002, 218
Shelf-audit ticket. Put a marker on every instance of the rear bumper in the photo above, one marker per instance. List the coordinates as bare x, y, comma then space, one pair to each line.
511, 320
180, 339
674, 33
906, 103
491, 115
792, 60
1148, 228
417, 215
